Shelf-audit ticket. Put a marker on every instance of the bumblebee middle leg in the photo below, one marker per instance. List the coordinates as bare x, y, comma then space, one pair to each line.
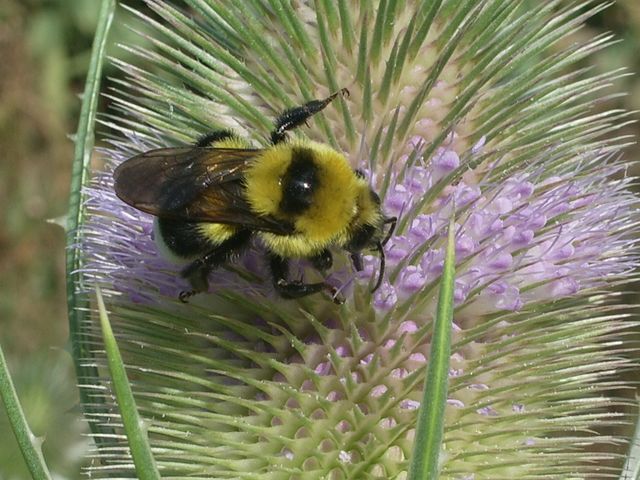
296, 288
197, 272
294, 117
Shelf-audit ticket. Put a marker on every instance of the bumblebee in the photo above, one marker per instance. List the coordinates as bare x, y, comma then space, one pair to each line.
299, 198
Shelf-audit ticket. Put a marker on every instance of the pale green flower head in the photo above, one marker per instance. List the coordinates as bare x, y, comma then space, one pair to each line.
476, 109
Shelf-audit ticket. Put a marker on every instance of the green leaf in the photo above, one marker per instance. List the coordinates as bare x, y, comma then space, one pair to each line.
84, 140
133, 426
631, 469
28, 442
430, 426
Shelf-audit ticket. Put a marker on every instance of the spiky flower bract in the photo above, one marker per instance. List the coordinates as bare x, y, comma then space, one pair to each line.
472, 104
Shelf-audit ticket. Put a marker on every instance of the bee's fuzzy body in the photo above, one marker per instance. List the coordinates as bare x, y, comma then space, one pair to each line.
299, 198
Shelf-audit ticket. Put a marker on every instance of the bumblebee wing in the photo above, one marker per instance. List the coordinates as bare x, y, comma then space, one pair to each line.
165, 180
192, 183
225, 203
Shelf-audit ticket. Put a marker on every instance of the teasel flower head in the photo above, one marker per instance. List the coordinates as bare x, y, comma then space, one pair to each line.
472, 109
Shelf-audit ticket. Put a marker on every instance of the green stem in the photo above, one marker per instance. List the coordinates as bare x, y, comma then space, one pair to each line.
430, 427
631, 470
28, 442
134, 428
77, 304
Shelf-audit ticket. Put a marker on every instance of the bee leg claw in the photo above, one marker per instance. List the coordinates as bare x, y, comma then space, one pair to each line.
336, 296
185, 295
198, 278
298, 289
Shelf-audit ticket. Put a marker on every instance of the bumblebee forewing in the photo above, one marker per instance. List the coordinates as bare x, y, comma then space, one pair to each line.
167, 180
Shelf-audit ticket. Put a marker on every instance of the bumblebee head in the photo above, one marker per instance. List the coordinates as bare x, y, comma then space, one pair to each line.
369, 229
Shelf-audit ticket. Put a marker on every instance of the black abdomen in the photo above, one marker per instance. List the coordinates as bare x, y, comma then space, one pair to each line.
182, 238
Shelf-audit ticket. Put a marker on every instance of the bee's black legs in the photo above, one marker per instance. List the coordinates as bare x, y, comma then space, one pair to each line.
322, 261
197, 272
212, 137
356, 259
296, 288
294, 117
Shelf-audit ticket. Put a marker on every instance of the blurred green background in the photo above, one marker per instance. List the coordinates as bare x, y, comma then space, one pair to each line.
44, 52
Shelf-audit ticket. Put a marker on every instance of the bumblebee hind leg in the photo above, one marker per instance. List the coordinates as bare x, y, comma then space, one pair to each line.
208, 139
296, 288
294, 117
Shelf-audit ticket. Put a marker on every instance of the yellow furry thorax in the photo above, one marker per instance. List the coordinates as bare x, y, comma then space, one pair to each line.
336, 204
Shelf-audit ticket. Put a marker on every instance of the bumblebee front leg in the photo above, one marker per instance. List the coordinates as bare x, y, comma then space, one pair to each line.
356, 260
294, 117
296, 288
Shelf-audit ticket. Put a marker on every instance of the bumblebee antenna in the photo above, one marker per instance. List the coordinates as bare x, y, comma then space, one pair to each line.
382, 262
392, 221
380, 249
